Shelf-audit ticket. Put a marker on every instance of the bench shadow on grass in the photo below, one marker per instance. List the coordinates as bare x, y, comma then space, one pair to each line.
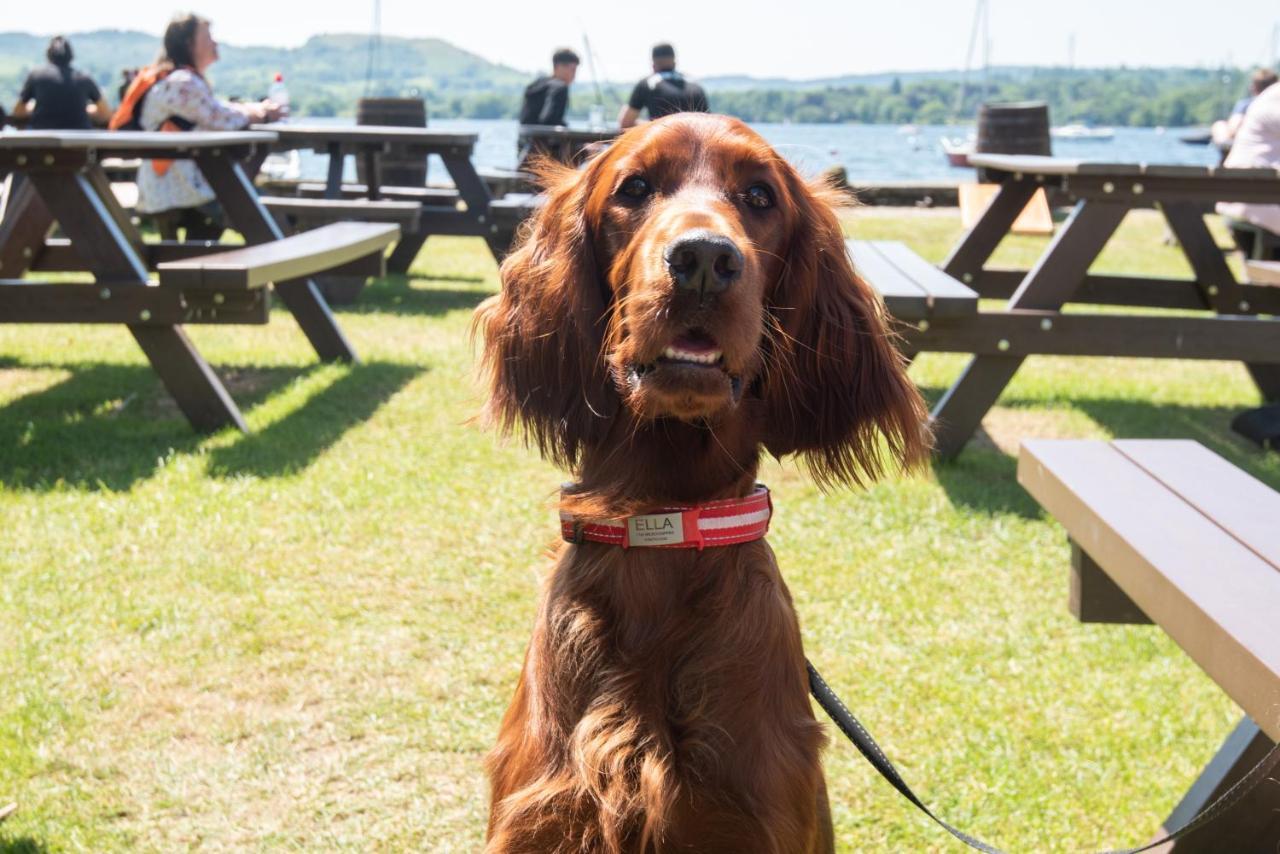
106, 427
985, 478
395, 294
296, 440
21, 845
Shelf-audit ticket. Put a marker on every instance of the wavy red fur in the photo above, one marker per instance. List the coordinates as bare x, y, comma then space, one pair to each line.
663, 704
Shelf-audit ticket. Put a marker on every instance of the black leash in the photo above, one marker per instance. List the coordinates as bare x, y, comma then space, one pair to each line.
854, 731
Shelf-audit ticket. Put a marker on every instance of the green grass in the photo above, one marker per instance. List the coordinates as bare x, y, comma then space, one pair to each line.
303, 638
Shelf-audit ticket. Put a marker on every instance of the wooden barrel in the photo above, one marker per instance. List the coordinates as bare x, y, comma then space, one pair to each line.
396, 171
1019, 127
1013, 127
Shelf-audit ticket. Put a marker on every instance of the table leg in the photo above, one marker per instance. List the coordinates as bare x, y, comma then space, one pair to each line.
85, 214
1049, 284
301, 296
109, 249
474, 192
1252, 824
1218, 286
372, 177
102, 186
24, 224
189, 378
977, 244
333, 185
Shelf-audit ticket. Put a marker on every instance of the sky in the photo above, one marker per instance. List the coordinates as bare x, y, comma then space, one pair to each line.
796, 38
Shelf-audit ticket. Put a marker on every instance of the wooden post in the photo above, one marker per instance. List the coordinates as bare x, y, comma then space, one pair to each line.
1049, 284
1252, 824
109, 247
975, 247
1095, 598
24, 224
1219, 285
247, 214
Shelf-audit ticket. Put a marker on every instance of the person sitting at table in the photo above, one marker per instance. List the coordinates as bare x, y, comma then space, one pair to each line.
173, 95
664, 92
545, 102
1257, 146
1225, 130
547, 99
58, 97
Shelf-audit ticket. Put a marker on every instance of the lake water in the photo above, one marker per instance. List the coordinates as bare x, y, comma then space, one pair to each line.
870, 153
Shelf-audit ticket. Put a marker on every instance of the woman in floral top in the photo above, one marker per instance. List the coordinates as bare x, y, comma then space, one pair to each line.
176, 192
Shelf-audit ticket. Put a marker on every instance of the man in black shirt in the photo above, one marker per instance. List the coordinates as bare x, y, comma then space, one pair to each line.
65, 99
666, 91
547, 98
545, 102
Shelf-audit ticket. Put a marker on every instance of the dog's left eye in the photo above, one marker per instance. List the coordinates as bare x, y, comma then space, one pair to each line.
759, 196
635, 188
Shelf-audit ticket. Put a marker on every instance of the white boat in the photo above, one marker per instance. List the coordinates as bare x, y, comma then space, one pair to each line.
957, 150
1083, 133
282, 166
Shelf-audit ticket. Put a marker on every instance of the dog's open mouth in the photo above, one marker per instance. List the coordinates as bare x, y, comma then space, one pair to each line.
693, 348
688, 379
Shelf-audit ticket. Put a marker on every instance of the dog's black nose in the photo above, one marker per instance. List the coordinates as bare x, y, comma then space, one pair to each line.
703, 262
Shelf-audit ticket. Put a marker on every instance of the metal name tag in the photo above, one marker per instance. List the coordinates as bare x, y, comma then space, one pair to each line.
658, 529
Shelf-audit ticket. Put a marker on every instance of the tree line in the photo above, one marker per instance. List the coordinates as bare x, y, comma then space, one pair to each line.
1117, 97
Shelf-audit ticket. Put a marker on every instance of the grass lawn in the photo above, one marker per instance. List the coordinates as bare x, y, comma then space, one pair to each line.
303, 638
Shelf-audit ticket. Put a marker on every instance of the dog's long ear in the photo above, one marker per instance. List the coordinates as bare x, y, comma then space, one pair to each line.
836, 389
544, 332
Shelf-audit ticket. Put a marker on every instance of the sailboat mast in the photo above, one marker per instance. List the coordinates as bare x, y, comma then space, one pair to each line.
978, 16
375, 46
591, 65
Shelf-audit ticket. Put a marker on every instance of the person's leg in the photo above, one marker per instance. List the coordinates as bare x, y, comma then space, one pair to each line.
1243, 239
204, 223
166, 223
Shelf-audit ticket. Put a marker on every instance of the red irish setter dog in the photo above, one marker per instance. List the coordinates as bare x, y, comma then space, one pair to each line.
679, 305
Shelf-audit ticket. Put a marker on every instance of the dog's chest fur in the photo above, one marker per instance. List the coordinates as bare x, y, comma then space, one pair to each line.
677, 677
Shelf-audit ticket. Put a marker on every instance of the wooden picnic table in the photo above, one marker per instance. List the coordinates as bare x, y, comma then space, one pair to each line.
58, 177
1167, 532
1033, 322
560, 142
463, 213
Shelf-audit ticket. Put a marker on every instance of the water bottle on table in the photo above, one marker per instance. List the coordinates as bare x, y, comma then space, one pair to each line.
279, 93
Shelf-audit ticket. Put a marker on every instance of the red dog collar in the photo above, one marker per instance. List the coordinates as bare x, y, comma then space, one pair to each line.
714, 523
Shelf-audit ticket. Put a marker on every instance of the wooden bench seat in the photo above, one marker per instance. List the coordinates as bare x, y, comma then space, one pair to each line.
506, 215
306, 211
504, 181
1263, 272
295, 257
425, 195
1170, 533
912, 288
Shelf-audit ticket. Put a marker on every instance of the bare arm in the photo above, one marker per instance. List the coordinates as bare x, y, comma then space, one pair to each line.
627, 116
21, 110
100, 112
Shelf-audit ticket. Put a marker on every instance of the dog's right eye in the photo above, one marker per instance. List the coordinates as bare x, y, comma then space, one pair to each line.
635, 188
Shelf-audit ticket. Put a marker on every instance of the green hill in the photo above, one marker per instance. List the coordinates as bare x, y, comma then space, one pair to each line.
326, 75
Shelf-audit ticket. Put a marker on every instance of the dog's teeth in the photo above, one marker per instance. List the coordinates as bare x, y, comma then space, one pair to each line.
678, 355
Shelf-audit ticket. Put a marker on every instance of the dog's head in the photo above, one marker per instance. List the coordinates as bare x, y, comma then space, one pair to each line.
689, 273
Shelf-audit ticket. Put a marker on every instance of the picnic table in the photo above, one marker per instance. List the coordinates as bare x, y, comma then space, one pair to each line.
560, 142
1033, 321
1167, 532
421, 211
58, 176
